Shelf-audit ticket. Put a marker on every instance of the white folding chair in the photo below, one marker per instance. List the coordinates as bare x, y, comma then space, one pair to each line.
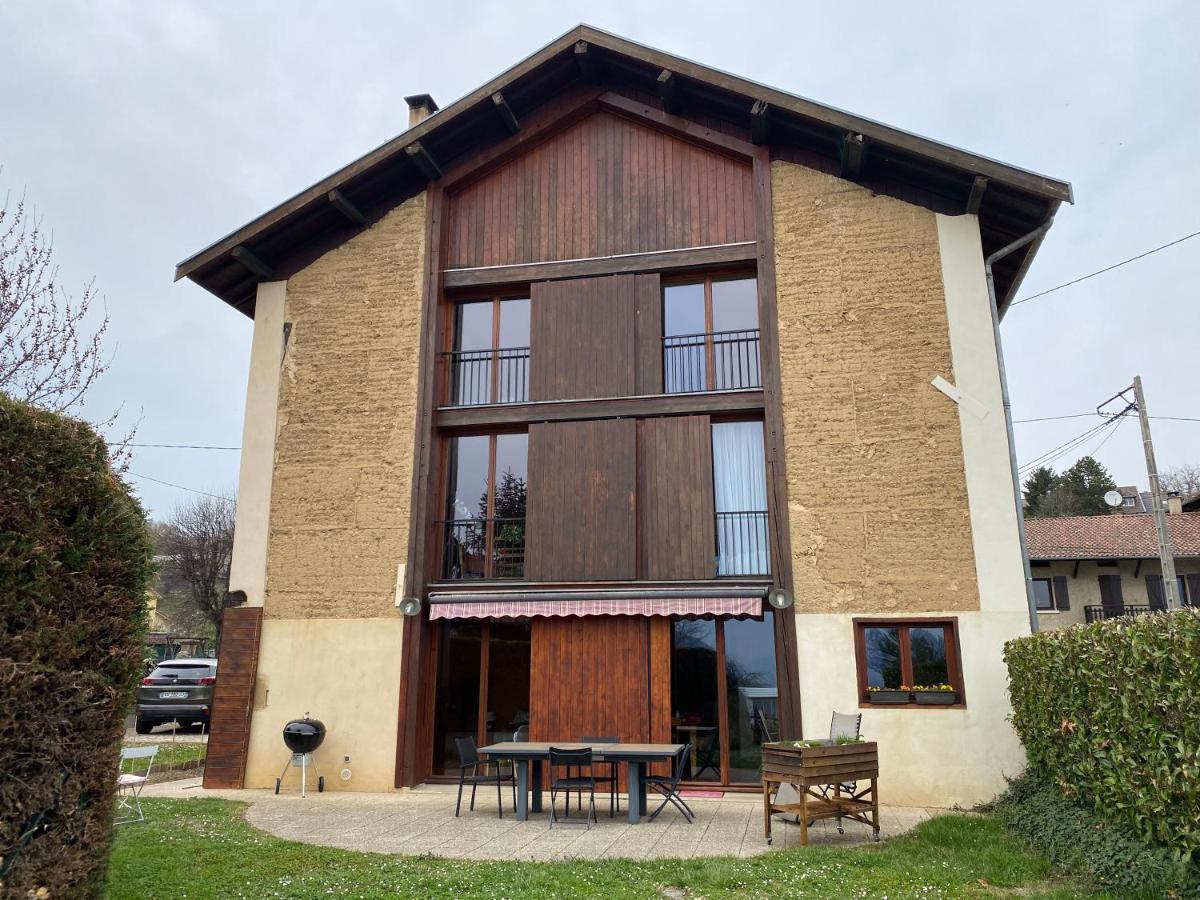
130, 784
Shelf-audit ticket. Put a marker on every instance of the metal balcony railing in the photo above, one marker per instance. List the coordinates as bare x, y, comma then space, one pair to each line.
1096, 613
717, 361
742, 543
482, 548
478, 377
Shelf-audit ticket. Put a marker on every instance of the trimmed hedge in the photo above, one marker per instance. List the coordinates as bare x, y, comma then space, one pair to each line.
75, 563
1110, 856
1110, 713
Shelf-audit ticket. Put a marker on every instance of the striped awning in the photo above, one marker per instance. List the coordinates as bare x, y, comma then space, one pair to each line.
749, 602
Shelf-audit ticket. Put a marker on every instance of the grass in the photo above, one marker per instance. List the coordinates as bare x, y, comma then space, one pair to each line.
203, 848
174, 756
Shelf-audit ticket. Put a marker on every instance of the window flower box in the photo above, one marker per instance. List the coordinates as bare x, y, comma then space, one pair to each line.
935, 695
884, 696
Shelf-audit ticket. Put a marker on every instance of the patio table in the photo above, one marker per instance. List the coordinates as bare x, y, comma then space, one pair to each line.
528, 757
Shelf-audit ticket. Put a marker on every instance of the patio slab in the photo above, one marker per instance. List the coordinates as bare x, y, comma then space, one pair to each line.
421, 821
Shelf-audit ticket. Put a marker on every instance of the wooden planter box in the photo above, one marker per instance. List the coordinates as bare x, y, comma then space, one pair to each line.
888, 697
936, 698
829, 779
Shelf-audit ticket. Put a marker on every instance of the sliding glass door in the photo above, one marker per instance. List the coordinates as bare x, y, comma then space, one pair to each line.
724, 695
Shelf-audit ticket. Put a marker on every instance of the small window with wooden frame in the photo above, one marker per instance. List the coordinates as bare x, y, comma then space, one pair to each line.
710, 334
488, 359
908, 663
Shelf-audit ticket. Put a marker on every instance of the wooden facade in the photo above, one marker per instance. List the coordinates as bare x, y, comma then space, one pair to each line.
233, 697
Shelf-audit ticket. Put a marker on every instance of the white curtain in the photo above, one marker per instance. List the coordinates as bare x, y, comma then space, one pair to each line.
740, 486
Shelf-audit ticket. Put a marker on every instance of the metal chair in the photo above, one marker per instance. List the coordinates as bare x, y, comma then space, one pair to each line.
668, 787
469, 758
708, 755
130, 785
845, 726
614, 800
578, 760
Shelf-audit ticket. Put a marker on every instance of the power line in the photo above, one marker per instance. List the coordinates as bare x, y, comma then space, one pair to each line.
1124, 262
179, 486
1088, 414
1062, 449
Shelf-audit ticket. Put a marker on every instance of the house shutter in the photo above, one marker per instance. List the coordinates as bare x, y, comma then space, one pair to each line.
582, 338
1193, 589
1062, 597
676, 513
1110, 594
1155, 593
582, 523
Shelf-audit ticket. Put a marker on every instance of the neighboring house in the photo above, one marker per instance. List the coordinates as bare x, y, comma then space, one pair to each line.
1136, 502
1092, 567
587, 363
163, 639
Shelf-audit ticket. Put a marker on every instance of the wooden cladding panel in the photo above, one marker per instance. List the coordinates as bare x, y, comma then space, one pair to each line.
233, 697
581, 338
603, 186
649, 335
675, 499
581, 520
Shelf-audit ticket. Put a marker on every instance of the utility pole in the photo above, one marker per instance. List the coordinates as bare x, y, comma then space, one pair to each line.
1170, 584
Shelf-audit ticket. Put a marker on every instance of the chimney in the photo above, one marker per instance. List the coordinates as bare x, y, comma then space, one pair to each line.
420, 108
1174, 503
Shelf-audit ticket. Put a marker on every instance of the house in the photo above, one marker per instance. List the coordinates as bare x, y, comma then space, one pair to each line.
1087, 568
549, 392
163, 639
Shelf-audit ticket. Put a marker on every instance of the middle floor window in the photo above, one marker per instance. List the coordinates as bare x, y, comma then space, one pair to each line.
484, 527
710, 335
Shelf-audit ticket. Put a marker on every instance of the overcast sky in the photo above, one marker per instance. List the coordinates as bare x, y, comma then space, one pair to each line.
144, 131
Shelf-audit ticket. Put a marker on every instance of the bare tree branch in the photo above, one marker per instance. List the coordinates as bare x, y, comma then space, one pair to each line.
195, 548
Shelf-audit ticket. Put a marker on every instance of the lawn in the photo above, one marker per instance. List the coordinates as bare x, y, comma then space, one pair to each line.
203, 848
174, 755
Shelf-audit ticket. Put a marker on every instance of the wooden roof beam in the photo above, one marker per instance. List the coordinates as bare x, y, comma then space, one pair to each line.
423, 160
507, 117
668, 91
339, 202
853, 153
978, 186
585, 56
252, 262
760, 122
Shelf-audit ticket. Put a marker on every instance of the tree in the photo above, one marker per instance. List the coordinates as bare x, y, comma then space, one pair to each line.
1184, 478
49, 356
195, 548
1038, 485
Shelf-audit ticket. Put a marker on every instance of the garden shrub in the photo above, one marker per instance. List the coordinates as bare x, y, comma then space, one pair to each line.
1110, 714
1110, 856
75, 564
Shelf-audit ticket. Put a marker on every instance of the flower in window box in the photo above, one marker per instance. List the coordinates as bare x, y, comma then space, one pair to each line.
935, 694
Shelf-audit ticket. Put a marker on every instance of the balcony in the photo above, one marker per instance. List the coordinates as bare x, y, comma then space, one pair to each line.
1097, 613
743, 543
715, 361
481, 377
482, 548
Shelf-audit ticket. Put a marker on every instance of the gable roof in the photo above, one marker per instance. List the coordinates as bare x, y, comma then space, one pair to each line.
1011, 202
1131, 536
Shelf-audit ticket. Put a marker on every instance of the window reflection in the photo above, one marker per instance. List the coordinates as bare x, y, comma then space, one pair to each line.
750, 684
928, 647
694, 695
883, 657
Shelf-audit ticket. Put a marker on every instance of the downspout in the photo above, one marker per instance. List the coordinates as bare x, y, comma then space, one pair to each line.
1008, 421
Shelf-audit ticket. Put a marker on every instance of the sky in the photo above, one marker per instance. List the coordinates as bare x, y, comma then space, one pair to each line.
142, 132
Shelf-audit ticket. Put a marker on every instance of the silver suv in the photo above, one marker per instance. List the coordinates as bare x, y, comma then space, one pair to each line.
178, 690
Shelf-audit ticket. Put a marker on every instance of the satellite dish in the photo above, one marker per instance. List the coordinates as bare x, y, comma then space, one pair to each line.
411, 606
1114, 499
779, 598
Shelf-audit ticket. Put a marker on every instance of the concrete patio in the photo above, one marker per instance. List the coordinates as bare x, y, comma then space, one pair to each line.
421, 821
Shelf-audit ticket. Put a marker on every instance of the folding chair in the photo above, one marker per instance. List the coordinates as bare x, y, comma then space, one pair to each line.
614, 802
668, 787
130, 784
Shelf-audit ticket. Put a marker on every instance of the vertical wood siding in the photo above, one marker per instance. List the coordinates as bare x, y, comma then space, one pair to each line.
649, 334
581, 338
581, 512
675, 499
233, 697
603, 186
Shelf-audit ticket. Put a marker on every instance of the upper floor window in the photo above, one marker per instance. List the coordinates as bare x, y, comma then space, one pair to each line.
484, 529
1043, 593
710, 335
740, 498
489, 362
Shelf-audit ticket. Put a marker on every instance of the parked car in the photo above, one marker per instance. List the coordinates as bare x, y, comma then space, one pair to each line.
178, 690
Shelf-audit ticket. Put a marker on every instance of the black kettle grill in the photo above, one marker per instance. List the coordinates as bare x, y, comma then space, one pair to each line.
302, 737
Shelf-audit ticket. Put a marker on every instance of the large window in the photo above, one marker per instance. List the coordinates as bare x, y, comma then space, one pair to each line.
490, 359
912, 662
724, 695
1043, 593
484, 528
740, 495
710, 335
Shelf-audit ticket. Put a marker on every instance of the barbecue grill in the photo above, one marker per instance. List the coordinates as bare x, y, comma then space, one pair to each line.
302, 737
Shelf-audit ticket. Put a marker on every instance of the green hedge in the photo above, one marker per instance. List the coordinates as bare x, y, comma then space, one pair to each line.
1110, 713
75, 564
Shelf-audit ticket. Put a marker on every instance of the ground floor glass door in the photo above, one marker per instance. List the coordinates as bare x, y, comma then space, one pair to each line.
724, 695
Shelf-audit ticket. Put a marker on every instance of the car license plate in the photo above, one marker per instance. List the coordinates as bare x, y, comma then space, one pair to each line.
172, 695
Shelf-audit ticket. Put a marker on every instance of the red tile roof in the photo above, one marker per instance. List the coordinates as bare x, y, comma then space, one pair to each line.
1109, 537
